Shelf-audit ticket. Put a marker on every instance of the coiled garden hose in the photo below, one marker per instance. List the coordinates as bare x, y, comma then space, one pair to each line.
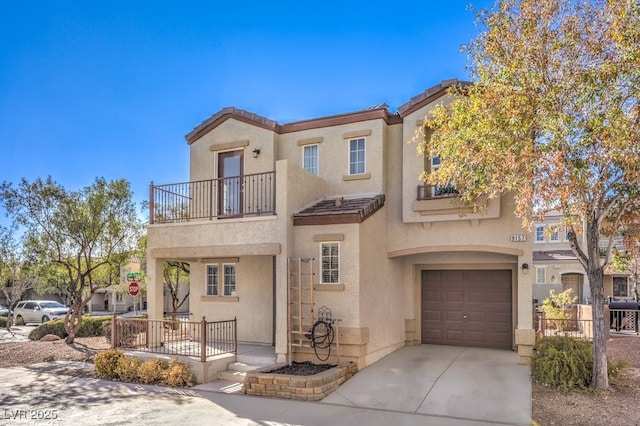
322, 335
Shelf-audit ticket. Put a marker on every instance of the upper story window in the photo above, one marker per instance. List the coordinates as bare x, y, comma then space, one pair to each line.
310, 159
551, 233
357, 148
330, 263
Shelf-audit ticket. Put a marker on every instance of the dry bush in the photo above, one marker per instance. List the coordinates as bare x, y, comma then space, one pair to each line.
178, 374
152, 371
106, 363
127, 368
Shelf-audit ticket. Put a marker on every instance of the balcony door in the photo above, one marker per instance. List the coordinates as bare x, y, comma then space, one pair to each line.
230, 183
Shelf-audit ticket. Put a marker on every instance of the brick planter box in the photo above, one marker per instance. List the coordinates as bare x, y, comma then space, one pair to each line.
301, 388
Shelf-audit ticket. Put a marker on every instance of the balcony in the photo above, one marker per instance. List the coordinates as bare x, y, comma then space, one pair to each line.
229, 197
427, 192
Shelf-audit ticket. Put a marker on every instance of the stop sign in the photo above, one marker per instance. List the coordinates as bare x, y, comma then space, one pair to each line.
134, 288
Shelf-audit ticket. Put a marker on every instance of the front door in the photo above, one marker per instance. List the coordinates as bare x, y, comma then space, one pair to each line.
573, 282
230, 183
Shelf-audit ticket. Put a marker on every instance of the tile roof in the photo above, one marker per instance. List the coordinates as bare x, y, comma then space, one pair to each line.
380, 111
554, 255
341, 210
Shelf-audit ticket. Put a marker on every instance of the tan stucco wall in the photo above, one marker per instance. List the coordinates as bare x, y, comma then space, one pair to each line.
343, 298
253, 305
333, 155
203, 160
381, 290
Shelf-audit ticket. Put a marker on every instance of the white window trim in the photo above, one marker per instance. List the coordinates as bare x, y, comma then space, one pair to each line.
235, 284
206, 284
535, 238
221, 280
364, 171
321, 267
304, 148
544, 270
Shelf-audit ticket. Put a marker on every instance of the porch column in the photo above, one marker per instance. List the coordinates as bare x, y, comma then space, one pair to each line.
282, 342
155, 294
525, 334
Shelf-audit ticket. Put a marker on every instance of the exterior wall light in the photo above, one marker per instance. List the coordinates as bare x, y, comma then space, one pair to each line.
525, 268
256, 152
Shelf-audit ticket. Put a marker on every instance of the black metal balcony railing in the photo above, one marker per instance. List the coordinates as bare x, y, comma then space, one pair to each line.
235, 196
426, 192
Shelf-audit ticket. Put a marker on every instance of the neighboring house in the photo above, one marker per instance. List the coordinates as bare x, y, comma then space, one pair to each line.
398, 262
116, 298
556, 267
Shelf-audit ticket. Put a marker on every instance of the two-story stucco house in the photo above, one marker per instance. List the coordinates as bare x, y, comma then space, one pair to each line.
336, 202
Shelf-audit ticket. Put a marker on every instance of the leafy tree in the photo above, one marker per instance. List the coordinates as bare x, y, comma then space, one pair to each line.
556, 305
17, 270
84, 234
552, 117
176, 275
628, 259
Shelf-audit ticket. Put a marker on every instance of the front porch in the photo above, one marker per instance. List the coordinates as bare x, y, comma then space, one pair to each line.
210, 349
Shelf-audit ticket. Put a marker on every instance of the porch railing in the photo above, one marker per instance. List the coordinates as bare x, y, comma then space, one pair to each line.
426, 192
624, 320
235, 196
578, 328
200, 339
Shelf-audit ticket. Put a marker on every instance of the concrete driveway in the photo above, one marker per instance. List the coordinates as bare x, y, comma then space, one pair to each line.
446, 382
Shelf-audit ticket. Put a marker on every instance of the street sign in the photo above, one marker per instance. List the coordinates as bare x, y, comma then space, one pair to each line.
133, 276
134, 288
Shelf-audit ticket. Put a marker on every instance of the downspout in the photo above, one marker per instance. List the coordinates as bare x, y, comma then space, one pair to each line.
273, 287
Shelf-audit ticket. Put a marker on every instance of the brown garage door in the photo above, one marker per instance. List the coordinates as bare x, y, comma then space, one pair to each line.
467, 308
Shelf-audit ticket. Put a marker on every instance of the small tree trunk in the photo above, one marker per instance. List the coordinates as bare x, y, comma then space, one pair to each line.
600, 376
73, 321
595, 272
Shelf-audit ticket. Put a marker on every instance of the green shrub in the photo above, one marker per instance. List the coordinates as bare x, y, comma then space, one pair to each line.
3, 322
127, 368
128, 332
106, 330
178, 374
106, 363
55, 326
91, 327
614, 368
152, 371
566, 363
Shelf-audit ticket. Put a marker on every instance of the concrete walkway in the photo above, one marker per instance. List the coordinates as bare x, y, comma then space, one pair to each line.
425, 384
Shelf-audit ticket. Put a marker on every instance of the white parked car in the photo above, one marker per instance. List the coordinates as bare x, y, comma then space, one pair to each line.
38, 311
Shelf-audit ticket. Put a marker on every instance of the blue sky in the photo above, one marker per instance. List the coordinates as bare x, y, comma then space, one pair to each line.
110, 88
